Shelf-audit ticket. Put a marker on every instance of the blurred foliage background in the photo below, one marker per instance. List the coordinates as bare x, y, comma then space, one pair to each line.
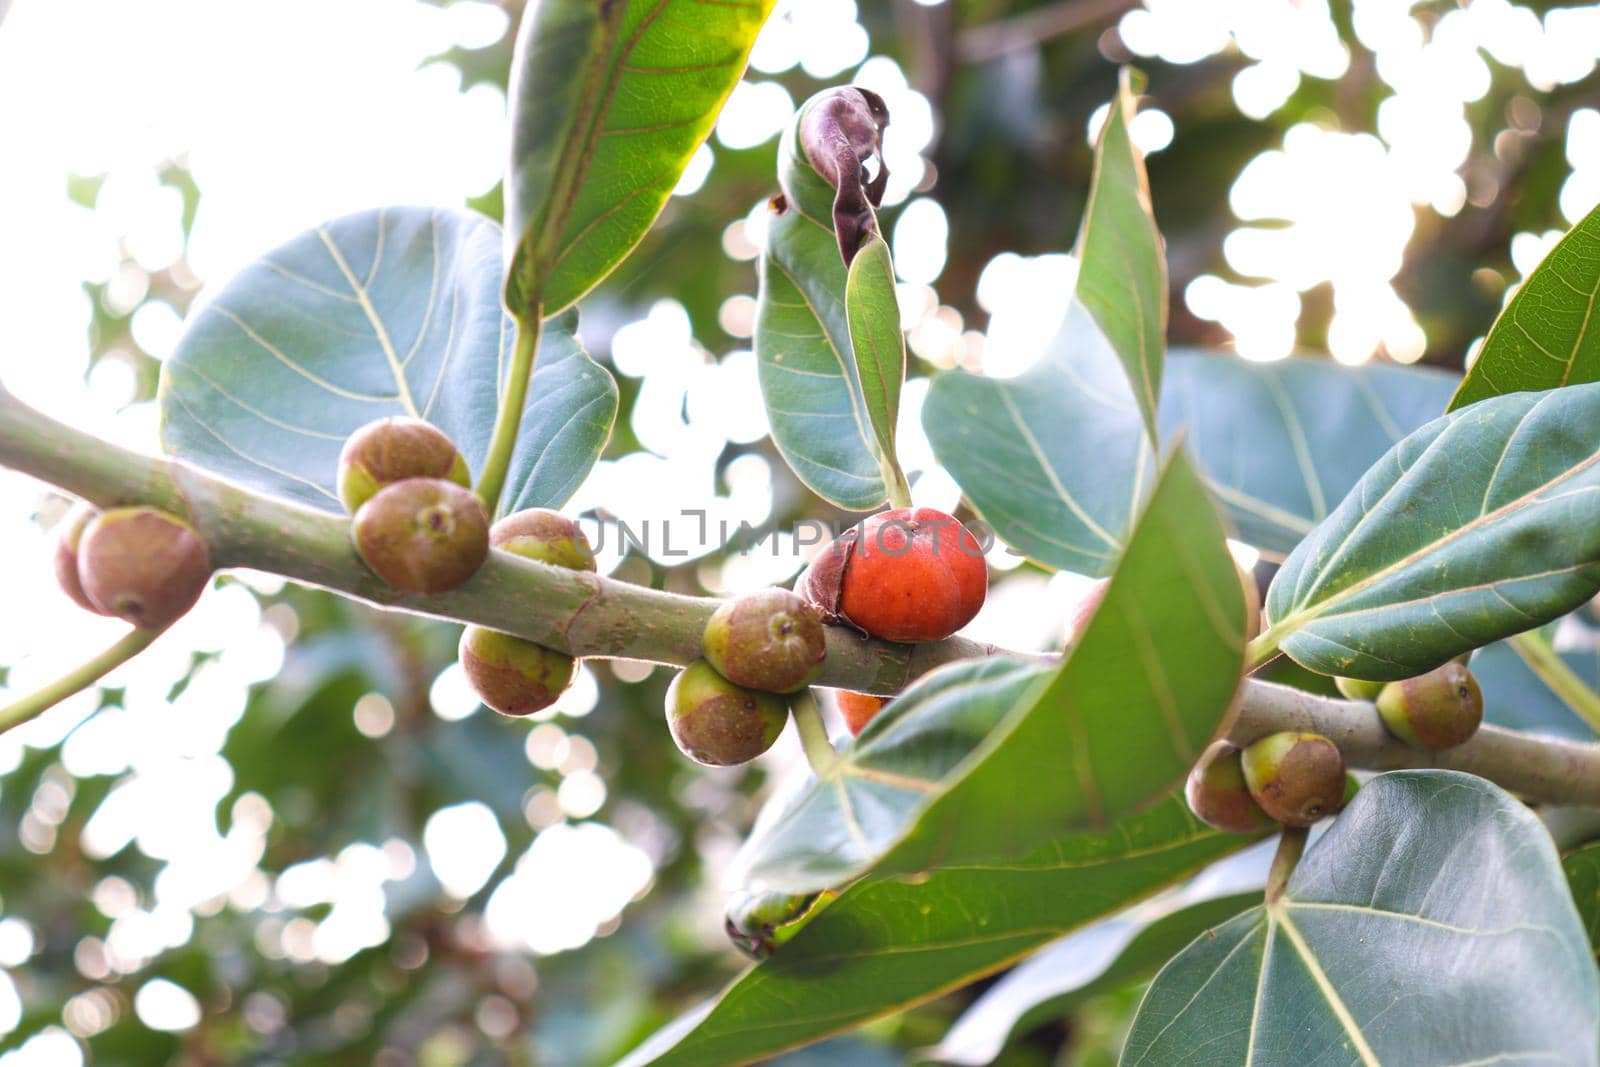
288, 835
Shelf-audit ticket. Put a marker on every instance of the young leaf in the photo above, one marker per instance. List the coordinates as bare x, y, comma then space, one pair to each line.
821, 420
1482, 524
1430, 926
1054, 460
886, 945
1282, 443
608, 102
388, 312
1547, 335
832, 830
878, 347
1132, 704
1122, 272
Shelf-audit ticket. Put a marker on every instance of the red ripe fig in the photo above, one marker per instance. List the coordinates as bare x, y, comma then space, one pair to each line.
545, 535
718, 723
392, 450
1218, 795
142, 565
858, 709
422, 535
910, 574
66, 556
770, 640
510, 675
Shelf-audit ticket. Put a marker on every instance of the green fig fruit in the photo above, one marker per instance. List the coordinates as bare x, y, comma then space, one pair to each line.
513, 676
1297, 778
1218, 795
1440, 709
718, 723
142, 565
771, 640
545, 535
422, 535
392, 450
1357, 689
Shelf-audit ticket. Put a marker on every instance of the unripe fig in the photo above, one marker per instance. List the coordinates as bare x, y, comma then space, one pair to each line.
1218, 795
66, 556
1296, 778
771, 640
142, 565
858, 709
422, 535
910, 574
1439, 709
545, 535
1357, 689
513, 676
718, 723
392, 450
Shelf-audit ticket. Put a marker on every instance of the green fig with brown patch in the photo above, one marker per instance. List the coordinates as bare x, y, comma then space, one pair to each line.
1218, 795
422, 535
544, 535
142, 565
771, 640
1440, 709
1297, 778
511, 675
718, 723
392, 450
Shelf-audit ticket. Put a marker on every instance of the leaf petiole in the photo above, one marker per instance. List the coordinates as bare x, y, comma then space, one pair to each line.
76, 680
819, 751
508, 416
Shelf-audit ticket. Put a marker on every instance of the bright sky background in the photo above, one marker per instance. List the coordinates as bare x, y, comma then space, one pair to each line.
289, 112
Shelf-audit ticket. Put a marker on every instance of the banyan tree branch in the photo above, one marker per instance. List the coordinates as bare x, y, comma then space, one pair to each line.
589, 615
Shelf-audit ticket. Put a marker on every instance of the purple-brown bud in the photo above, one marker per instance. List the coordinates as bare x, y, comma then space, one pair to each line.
840, 131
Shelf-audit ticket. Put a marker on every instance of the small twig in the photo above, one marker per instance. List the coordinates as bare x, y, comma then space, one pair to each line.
819, 750
76, 680
1290, 845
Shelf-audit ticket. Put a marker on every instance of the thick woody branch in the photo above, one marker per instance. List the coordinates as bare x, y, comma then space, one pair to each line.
588, 615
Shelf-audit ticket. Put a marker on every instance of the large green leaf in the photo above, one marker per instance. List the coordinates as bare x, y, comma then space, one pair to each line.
875, 339
831, 830
1123, 717
1482, 524
1282, 443
1430, 925
1055, 459
388, 312
1122, 273
608, 102
816, 407
884, 945
1547, 335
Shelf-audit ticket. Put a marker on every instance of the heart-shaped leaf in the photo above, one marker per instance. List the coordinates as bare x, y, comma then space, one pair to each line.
815, 404
388, 312
1430, 926
1482, 524
1053, 460
885, 945
830, 831
1132, 704
875, 339
1282, 443
1547, 335
608, 102
1122, 274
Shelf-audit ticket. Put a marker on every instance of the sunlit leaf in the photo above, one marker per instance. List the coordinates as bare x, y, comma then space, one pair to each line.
819, 416
608, 102
1482, 524
1122, 274
1055, 460
388, 312
1430, 926
1547, 335
879, 347
1282, 443
887, 944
